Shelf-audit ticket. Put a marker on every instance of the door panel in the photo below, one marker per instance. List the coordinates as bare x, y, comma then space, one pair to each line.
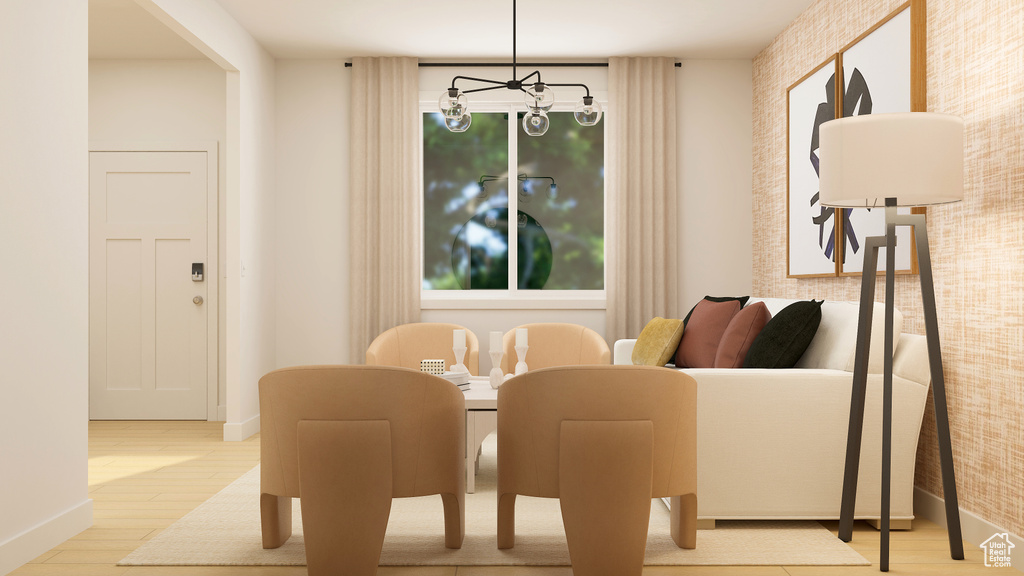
173, 338
148, 339
123, 305
134, 197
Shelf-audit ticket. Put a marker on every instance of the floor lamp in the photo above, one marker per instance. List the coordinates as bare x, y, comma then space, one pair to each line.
894, 160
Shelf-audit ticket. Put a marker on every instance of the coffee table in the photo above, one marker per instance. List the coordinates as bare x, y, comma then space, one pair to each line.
481, 420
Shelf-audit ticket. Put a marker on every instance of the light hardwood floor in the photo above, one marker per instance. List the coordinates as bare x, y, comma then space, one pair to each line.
145, 475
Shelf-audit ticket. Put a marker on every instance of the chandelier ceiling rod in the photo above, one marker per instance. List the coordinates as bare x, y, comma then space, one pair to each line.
514, 84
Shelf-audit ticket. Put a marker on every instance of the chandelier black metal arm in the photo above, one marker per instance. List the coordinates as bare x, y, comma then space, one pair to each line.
497, 85
513, 84
510, 84
584, 86
522, 178
485, 178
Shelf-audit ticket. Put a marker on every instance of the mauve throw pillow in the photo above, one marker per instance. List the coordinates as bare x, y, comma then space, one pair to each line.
786, 336
741, 299
703, 333
740, 334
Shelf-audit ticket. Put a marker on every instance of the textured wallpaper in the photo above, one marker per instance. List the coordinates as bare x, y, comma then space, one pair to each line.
975, 69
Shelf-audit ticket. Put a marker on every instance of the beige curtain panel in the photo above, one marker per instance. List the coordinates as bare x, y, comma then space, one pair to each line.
385, 220
643, 260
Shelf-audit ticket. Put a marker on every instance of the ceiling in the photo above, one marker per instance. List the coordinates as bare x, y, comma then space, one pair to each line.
464, 29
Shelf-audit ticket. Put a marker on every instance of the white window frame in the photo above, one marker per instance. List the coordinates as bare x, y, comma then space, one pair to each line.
515, 298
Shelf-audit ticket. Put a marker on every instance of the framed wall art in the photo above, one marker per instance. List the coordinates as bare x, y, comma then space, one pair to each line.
811, 228
882, 71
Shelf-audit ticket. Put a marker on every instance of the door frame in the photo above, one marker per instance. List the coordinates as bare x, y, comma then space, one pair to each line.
213, 384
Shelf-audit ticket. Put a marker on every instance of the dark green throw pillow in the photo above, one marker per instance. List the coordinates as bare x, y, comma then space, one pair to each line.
785, 337
742, 300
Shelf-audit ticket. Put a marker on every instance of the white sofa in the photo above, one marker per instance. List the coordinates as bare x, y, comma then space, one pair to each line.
771, 444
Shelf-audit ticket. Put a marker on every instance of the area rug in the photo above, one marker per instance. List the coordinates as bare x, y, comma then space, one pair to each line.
225, 530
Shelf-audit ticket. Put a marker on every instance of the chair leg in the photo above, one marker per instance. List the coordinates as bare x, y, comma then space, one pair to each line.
276, 519
454, 519
506, 520
683, 514
345, 487
605, 470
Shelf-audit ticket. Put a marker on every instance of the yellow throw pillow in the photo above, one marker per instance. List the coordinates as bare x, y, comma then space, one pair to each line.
657, 342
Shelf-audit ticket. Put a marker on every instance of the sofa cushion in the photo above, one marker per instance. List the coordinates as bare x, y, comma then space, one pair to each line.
703, 333
740, 334
741, 299
657, 342
834, 346
786, 336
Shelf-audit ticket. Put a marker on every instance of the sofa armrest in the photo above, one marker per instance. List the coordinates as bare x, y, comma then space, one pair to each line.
771, 443
623, 351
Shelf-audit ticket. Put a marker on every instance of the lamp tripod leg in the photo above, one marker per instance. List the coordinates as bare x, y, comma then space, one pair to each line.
956, 544
859, 391
890, 295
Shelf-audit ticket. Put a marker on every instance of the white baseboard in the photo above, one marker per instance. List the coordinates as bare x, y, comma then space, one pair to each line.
45, 536
238, 431
975, 529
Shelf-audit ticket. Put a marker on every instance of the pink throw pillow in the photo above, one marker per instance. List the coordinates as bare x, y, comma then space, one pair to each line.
703, 333
740, 334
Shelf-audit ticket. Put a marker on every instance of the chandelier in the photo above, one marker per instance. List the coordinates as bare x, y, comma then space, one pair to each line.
538, 96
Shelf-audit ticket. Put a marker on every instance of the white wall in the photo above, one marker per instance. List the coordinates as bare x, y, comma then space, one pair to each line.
715, 156
250, 314
162, 100
715, 175
312, 184
258, 262
44, 284
171, 101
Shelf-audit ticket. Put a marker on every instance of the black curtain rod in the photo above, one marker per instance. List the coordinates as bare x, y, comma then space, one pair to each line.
509, 65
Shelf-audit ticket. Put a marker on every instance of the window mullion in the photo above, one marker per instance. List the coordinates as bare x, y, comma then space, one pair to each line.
513, 202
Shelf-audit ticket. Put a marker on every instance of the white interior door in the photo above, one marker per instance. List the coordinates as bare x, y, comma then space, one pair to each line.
148, 319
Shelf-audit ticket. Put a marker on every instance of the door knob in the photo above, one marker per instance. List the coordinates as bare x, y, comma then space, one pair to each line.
197, 300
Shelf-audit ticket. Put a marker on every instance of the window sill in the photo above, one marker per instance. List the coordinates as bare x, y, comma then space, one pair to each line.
457, 300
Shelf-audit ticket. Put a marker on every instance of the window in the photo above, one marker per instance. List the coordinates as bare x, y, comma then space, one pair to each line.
558, 227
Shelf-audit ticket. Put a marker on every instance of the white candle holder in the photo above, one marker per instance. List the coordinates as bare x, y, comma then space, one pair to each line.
460, 355
521, 367
496, 376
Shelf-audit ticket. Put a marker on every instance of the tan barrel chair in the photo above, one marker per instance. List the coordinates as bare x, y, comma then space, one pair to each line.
556, 344
348, 439
405, 345
604, 440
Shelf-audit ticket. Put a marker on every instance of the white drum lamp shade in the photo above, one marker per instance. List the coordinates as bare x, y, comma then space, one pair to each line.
915, 157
